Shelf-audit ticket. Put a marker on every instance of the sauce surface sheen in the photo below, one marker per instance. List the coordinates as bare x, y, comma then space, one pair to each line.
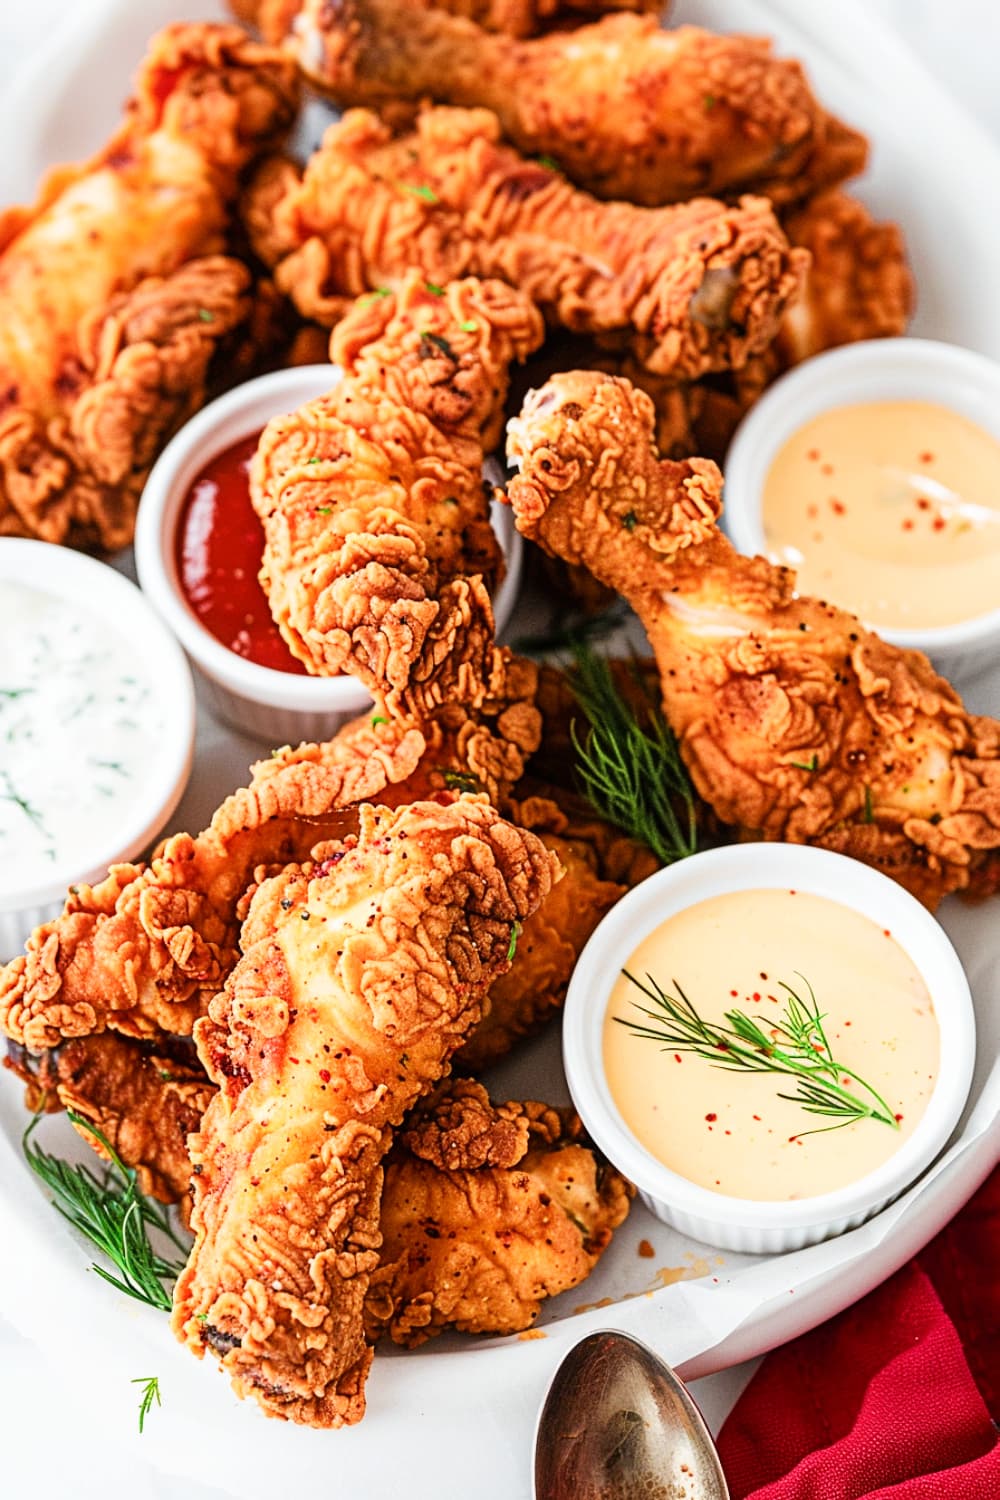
729, 1131
219, 546
890, 509
79, 725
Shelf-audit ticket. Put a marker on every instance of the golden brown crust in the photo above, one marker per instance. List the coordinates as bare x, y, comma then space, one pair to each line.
331, 1027
479, 1247
145, 1099
146, 948
113, 296
274, 18
379, 554
690, 288
795, 721
628, 110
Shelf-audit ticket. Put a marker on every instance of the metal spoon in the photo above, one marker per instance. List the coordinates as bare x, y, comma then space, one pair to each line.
617, 1424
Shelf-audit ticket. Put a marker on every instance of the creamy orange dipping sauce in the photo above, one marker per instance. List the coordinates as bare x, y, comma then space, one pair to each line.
729, 1131
890, 509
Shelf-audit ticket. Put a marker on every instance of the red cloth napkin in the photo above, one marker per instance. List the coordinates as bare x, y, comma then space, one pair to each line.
894, 1398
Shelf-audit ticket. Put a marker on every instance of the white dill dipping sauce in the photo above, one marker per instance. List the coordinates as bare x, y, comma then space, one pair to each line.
96, 727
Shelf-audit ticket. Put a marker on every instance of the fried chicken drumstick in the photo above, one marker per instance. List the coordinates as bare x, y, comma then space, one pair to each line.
114, 291
627, 109
486, 1211
794, 720
358, 981
691, 288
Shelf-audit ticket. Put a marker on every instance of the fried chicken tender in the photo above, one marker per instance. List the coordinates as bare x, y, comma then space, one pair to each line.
691, 288
341, 1015
486, 1211
144, 1097
379, 554
275, 19
795, 721
550, 941
114, 296
144, 951
627, 109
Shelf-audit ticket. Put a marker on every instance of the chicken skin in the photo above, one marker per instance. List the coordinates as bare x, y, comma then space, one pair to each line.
795, 721
115, 293
486, 1211
695, 287
357, 984
627, 109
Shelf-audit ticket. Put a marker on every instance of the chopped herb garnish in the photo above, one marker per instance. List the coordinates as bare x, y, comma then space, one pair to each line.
806, 765
310, 461
420, 190
469, 325
380, 291
434, 289
630, 520
461, 781
549, 162
378, 719
515, 933
150, 1394
323, 510
205, 316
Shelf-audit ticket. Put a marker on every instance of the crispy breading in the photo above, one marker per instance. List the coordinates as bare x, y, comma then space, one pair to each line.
486, 1211
114, 293
354, 990
858, 285
690, 288
143, 951
627, 109
144, 1097
795, 721
379, 554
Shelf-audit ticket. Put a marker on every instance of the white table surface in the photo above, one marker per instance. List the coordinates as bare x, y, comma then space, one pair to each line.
55, 1435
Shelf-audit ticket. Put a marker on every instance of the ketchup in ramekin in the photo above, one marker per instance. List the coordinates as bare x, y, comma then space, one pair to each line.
219, 544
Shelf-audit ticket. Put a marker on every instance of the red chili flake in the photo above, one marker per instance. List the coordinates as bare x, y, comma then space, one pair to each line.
847, 1023
923, 503
792, 1138
757, 1118
324, 1073
756, 994
728, 1132
734, 992
926, 458
838, 507
907, 524
886, 932
293, 1060
938, 523
718, 1183
793, 893
677, 1057
846, 1081
813, 455
812, 511
711, 1117
897, 1118
763, 976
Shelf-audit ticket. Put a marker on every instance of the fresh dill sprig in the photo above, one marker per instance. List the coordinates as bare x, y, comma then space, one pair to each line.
150, 1393
109, 1210
793, 1045
631, 772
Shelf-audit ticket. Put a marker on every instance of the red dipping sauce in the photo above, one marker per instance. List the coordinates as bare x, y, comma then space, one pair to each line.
218, 549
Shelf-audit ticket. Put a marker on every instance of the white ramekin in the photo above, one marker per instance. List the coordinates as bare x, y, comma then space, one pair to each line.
741, 1223
279, 707
875, 370
132, 825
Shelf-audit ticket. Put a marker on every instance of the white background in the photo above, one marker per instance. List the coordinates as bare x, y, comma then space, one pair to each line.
50, 1451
